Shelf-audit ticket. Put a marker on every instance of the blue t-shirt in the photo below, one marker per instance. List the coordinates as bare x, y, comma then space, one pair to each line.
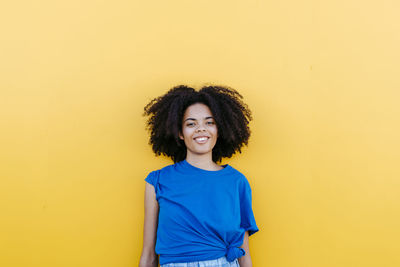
203, 215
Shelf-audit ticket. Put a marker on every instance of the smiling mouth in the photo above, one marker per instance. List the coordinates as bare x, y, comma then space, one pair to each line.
201, 140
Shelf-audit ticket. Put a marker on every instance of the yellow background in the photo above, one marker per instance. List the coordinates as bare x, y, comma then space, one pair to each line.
322, 80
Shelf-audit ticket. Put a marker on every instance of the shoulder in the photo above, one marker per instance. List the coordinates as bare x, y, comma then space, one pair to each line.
163, 170
240, 178
153, 177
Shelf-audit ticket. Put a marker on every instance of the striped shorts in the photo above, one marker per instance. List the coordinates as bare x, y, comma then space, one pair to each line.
220, 262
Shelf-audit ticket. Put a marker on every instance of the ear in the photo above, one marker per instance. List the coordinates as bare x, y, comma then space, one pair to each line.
180, 136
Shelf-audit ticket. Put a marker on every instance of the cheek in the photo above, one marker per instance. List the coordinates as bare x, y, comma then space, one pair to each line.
215, 132
186, 132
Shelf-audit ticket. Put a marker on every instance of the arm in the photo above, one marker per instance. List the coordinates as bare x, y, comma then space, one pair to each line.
149, 257
245, 261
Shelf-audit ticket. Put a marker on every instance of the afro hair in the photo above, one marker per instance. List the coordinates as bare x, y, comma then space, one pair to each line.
231, 115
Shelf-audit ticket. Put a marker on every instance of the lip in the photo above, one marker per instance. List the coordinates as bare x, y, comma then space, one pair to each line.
196, 139
201, 136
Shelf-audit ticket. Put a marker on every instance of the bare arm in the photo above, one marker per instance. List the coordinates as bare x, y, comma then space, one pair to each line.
245, 261
149, 257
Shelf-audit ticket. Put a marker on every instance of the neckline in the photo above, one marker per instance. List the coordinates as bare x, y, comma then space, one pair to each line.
186, 165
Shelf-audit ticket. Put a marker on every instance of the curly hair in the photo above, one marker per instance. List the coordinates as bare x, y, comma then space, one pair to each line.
231, 115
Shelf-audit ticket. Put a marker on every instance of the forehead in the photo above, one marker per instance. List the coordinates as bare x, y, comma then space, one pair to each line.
197, 110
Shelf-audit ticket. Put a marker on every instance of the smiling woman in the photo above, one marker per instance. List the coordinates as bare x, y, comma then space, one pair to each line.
197, 212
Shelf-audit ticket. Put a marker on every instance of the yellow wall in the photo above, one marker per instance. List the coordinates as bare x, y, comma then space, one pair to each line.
321, 77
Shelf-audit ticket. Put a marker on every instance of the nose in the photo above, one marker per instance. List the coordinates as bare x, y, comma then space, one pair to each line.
200, 128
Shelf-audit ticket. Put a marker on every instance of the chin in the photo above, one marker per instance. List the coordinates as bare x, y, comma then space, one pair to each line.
202, 152
199, 152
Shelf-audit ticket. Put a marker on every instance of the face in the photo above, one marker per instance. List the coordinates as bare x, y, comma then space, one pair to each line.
199, 130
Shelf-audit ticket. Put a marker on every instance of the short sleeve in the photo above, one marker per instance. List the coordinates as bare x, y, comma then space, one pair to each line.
248, 221
152, 178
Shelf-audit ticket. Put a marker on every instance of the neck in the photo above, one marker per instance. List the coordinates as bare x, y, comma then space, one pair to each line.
202, 161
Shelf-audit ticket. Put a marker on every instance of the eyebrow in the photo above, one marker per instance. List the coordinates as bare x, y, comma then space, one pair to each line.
196, 120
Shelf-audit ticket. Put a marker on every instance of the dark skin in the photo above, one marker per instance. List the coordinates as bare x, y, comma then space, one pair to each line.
149, 257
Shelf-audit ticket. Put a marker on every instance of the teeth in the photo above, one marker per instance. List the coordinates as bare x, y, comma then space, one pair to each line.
201, 139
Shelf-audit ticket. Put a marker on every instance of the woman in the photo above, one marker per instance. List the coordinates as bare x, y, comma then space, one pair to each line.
197, 212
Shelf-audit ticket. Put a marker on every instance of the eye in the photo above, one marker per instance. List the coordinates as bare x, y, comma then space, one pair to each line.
190, 124
210, 122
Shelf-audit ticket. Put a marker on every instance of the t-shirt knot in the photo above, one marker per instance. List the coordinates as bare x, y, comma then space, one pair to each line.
234, 253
